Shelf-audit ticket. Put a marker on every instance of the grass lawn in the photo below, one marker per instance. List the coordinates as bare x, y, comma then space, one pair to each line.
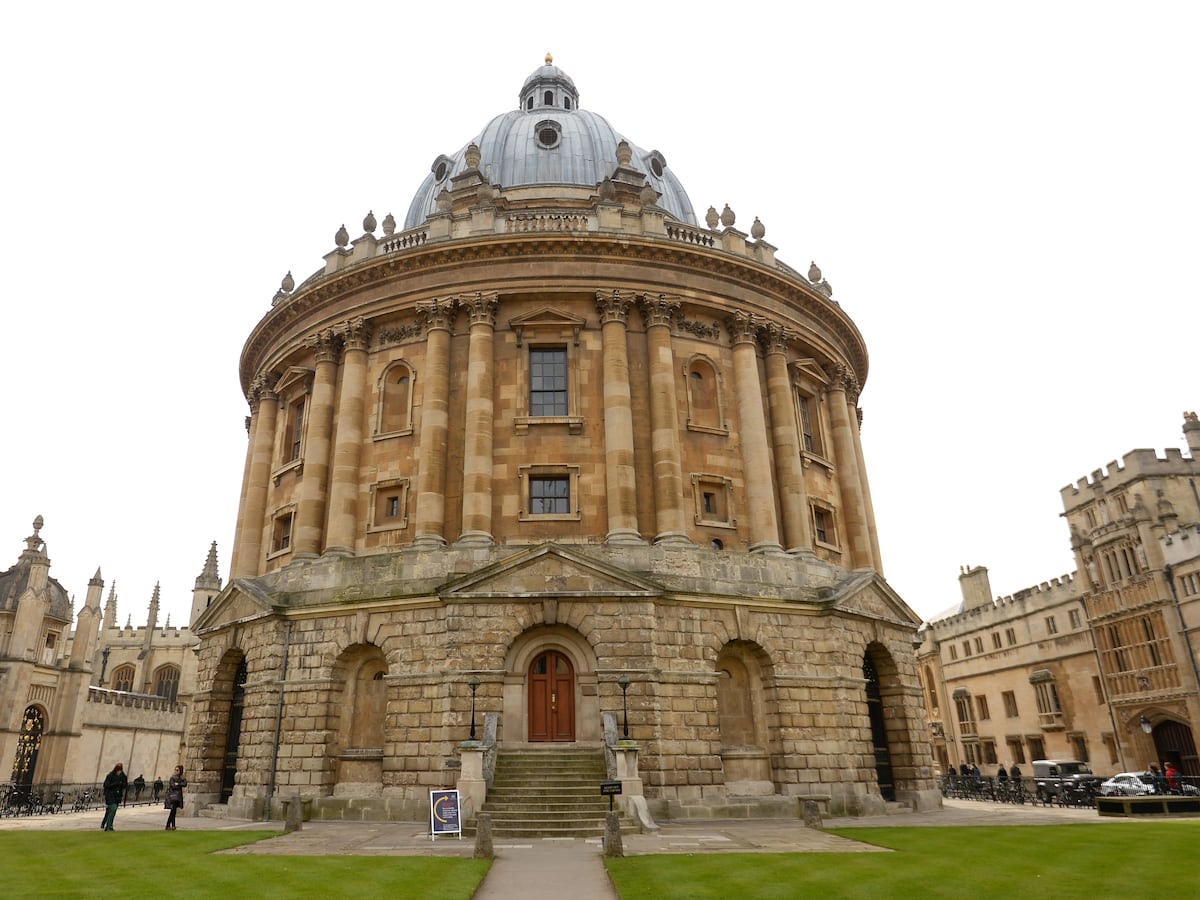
143, 864
1131, 861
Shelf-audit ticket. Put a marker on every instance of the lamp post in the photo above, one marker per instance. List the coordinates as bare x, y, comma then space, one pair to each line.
623, 681
1146, 726
474, 684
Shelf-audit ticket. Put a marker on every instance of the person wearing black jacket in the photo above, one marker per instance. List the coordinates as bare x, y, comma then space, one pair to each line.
175, 786
116, 783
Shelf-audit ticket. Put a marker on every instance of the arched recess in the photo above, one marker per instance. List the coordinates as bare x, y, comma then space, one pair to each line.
166, 682
228, 698
357, 711
742, 718
1173, 743
29, 743
706, 406
889, 726
542, 643
394, 414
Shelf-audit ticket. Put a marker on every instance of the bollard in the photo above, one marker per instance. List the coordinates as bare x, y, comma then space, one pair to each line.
295, 815
483, 837
612, 834
812, 814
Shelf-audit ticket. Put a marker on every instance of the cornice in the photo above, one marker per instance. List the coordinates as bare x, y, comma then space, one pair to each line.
452, 255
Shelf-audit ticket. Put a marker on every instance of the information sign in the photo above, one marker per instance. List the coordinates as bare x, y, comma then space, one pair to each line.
443, 814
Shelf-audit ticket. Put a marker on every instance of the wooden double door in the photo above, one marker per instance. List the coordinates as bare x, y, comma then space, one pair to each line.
551, 698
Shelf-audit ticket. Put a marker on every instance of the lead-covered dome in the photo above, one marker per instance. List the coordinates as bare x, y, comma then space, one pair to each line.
549, 140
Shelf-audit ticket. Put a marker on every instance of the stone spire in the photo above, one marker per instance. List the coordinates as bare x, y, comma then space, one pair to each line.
208, 585
110, 609
151, 624
84, 645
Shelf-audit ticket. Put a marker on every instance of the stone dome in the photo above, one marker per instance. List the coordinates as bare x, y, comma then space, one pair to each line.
549, 140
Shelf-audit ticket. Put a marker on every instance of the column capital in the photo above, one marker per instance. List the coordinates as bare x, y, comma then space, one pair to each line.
844, 379
259, 392
777, 337
659, 309
744, 327
436, 314
613, 306
356, 334
480, 307
324, 345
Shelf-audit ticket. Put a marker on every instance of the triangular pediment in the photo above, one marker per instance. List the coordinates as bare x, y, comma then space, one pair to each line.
240, 601
547, 319
868, 594
550, 570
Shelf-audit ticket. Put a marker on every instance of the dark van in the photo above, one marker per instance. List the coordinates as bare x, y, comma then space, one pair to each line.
1051, 776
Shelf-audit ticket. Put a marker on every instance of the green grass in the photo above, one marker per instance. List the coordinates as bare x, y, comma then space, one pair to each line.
1138, 861
140, 864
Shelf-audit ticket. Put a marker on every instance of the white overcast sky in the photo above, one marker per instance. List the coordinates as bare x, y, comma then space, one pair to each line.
1003, 196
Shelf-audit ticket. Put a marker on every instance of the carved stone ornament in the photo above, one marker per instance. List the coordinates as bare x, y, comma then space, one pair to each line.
658, 309
711, 218
608, 190
289, 283
649, 195
473, 156
624, 153
369, 223
480, 307
389, 224
758, 230
728, 217
342, 238
613, 306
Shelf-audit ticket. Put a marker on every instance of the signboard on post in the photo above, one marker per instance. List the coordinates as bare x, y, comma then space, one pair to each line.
610, 789
444, 814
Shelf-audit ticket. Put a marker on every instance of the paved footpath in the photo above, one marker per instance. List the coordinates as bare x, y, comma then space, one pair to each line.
543, 868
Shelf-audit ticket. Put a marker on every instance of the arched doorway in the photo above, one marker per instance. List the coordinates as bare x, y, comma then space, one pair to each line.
879, 741
33, 724
233, 736
1173, 743
551, 697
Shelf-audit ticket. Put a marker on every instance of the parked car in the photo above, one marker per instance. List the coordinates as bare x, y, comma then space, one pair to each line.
1128, 784
1051, 776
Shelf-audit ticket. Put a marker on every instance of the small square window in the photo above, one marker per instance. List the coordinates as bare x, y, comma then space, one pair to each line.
549, 492
389, 505
281, 532
549, 496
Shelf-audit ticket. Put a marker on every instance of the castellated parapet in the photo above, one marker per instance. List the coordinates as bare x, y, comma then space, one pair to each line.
1136, 465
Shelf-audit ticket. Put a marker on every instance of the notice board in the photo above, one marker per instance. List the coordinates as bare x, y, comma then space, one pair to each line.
444, 814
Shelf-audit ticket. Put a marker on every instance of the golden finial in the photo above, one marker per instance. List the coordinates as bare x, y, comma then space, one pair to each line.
549, 58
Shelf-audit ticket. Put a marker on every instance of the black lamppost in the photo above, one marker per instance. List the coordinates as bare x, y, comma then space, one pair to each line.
104, 666
623, 681
1146, 726
474, 684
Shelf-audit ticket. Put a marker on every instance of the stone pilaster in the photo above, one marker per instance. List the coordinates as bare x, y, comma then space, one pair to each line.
314, 485
347, 453
477, 460
620, 473
868, 506
241, 513
248, 554
756, 459
659, 311
438, 317
843, 392
785, 436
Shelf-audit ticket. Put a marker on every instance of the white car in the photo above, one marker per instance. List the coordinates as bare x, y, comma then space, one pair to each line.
1128, 784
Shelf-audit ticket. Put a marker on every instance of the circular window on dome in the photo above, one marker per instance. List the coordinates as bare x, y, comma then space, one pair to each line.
657, 163
549, 133
440, 168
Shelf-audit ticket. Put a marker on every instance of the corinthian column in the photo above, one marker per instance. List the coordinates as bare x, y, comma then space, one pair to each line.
429, 531
659, 311
868, 506
793, 500
477, 458
619, 472
854, 512
314, 483
343, 491
241, 513
756, 460
248, 556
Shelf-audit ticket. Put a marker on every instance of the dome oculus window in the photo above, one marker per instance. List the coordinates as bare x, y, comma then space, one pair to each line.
549, 133
440, 168
657, 163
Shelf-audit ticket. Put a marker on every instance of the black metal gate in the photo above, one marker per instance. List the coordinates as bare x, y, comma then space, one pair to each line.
28, 744
883, 757
233, 737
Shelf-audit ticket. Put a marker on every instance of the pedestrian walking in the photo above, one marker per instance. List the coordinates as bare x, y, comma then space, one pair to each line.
175, 786
158, 786
116, 783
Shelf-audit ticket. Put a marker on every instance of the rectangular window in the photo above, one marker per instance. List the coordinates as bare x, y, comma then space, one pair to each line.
295, 430
996, 640
281, 534
1037, 747
1080, 746
806, 428
1076, 619
982, 705
966, 645
1051, 626
953, 651
1098, 689
824, 525
1110, 744
1047, 698
1010, 704
1010, 635
389, 505
989, 752
549, 495
547, 381
1016, 750
820, 526
978, 645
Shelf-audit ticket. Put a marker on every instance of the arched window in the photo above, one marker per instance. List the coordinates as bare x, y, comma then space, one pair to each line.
549, 98
166, 683
122, 677
395, 400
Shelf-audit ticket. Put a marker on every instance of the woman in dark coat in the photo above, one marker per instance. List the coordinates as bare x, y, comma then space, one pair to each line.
175, 786
115, 784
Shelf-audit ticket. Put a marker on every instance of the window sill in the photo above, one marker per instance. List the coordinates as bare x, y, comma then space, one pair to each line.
296, 464
807, 459
574, 423
707, 429
523, 516
384, 435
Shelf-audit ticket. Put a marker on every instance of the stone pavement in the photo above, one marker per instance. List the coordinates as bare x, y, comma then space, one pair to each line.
536, 868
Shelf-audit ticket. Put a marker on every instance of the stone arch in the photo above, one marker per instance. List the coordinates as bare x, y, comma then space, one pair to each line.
219, 756
741, 668
35, 722
357, 712
528, 646
889, 723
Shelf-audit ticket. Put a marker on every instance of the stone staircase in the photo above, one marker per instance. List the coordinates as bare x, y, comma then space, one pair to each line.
553, 792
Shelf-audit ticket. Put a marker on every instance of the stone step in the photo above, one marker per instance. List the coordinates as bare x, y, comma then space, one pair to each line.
214, 811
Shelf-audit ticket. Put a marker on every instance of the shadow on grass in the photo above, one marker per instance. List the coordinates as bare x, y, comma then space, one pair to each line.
181, 865
1140, 860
